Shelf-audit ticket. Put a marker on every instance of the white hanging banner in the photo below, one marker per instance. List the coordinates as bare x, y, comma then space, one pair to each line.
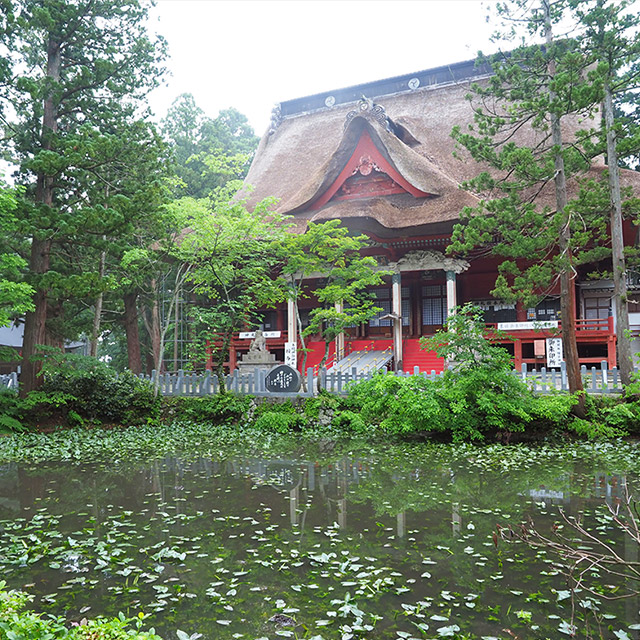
291, 354
250, 335
554, 353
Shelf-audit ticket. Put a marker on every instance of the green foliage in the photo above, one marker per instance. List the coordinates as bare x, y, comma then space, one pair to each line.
343, 297
476, 396
280, 417
350, 422
92, 391
277, 421
208, 152
223, 408
11, 412
18, 624
462, 406
80, 72
232, 253
465, 343
15, 294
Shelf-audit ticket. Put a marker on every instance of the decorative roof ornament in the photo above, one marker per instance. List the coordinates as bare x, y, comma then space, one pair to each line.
276, 119
369, 109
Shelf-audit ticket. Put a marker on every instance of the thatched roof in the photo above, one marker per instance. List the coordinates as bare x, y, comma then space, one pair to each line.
304, 152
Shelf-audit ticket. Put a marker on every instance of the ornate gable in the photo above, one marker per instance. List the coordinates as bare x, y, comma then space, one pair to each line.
367, 174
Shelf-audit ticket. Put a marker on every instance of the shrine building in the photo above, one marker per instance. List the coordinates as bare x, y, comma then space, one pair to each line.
380, 157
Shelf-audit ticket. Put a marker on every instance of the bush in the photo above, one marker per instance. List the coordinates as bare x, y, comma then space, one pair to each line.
222, 408
277, 421
87, 389
279, 416
11, 412
463, 405
16, 623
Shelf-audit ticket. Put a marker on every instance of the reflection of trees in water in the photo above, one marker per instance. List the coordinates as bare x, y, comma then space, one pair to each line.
388, 504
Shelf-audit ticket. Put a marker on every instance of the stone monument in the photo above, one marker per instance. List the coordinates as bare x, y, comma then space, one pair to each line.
283, 379
258, 358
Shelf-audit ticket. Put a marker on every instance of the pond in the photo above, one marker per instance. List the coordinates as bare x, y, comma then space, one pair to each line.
375, 541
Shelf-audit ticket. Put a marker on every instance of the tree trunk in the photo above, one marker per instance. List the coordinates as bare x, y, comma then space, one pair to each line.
155, 335
567, 275
131, 331
176, 327
97, 312
35, 321
34, 325
152, 324
625, 361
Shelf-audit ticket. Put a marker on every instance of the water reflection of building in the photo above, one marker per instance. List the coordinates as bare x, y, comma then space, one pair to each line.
297, 481
611, 487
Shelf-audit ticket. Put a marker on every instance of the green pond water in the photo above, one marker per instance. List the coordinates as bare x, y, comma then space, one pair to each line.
389, 541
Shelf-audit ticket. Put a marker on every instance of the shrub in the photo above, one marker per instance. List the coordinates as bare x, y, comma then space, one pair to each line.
465, 405
222, 408
279, 416
11, 412
350, 421
16, 623
92, 391
484, 400
397, 405
277, 421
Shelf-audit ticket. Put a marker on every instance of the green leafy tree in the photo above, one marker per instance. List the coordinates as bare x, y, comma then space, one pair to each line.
534, 88
208, 152
609, 41
77, 67
15, 294
465, 344
233, 254
327, 254
152, 276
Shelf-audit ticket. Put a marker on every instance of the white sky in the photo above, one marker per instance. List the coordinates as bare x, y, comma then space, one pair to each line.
252, 54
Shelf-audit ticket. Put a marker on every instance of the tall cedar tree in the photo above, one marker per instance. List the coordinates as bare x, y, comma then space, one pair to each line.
609, 40
80, 64
518, 131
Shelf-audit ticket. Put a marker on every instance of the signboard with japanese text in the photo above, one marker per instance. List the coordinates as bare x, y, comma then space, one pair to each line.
291, 354
250, 335
528, 326
554, 353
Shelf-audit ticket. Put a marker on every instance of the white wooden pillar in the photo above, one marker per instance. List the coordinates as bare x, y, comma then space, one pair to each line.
340, 336
396, 312
292, 321
291, 345
452, 298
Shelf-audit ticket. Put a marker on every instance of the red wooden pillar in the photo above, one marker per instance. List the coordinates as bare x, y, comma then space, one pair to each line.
233, 358
517, 355
611, 351
209, 362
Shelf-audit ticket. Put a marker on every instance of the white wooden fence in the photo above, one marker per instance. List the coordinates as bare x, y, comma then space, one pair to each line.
9, 381
596, 380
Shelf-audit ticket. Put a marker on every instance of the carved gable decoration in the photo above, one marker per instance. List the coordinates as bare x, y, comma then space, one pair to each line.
429, 260
366, 174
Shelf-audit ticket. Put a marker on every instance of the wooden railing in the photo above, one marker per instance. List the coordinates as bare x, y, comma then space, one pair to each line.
596, 380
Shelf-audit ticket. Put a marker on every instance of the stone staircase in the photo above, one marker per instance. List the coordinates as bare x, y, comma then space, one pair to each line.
364, 361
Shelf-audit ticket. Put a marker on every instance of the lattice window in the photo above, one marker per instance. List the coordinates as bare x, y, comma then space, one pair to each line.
434, 304
383, 301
